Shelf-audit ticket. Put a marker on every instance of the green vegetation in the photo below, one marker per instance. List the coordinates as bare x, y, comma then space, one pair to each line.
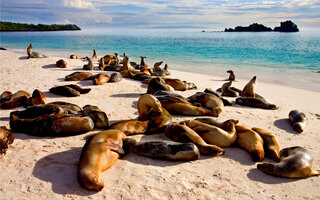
9, 26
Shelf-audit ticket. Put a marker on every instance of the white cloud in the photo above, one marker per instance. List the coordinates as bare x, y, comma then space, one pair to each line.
82, 4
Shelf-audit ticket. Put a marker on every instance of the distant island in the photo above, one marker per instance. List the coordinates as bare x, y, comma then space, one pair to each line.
10, 26
287, 26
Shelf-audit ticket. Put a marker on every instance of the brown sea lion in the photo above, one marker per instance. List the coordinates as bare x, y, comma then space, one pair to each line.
73, 56
255, 103
298, 120
37, 98
39, 110
270, 143
6, 138
164, 150
295, 162
99, 117
211, 121
61, 63
70, 108
108, 58
232, 76
101, 64
136, 75
166, 69
126, 64
95, 55
88, 66
156, 84
182, 133
5, 96
156, 66
208, 100
213, 134
143, 62
101, 79
32, 54
145, 103
17, 99
69, 90
225, 101
115, 77
227, 91
250, 141
248, 90
131, 127
179, 85
99, 153
79, 76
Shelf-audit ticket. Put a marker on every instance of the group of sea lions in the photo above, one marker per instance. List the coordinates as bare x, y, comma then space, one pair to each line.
191, 138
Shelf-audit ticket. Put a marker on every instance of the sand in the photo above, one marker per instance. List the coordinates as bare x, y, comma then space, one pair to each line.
46, 168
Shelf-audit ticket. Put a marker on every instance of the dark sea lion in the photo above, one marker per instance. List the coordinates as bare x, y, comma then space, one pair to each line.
61, 63
95, 55
250, 141
213, 134
227, 91
156, 66
255, 103
78, 76
2, 48
160, 93
179, 85
39, 110
295, 162
6, 138
270, 143
101, 79
115, 77
182, 133
166, 69
231, 75
140, 76
226, 102
88, 66
73, 57
37, 98
142, 62
248, 90
164, 150
17, 99
208, 100
32, 54
131, 127
156, 84
70, 108
79, 89
126, 64
99, 117
64, 90
298, 120
5, 96
99, 153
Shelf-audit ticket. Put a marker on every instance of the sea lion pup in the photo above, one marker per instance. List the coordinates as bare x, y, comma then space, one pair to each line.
61, 63
213, 134
5, 96
232, 76
32, 54
131, 127
99, 117
101, 79
255, 103
56, 124
227, 91
250, 141
78, 76
226, 102
99, 153
88, 66
70, 108
37, 98
164, 150
126, 64
179, 85
208, 100
297, 120
115, 77
182, 133
270, 143
6, 138
248, 90
17, 99
156, 84
73, 56
295, 162
95, 55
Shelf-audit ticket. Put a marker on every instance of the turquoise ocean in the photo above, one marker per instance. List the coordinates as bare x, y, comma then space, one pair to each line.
291, 59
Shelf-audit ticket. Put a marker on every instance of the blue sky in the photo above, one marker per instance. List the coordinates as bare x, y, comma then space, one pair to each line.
204, 14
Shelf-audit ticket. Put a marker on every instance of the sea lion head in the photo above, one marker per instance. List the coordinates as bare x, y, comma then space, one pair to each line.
90, 181
267, 168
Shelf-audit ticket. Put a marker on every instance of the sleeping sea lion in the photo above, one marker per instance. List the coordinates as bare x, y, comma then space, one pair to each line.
295, 162
145, 103
270, 143
101, 79
131, 127
213, 122
6, 138
250, 141
88, 66
95, 55
70, 108
79, 76
73, 57
5, 96
32, 54
39, 110
231, 75
297, 120
37, 98
255, 103
17, 99
182, 133
226, 102
156, 84
99, 117
208, 100
248, 90
61, 63
227, 91
179, 85
99, 153
115, 77
164, 150
69, 90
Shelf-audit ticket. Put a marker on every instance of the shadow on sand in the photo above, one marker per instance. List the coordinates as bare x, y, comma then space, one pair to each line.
284, 124
259, 176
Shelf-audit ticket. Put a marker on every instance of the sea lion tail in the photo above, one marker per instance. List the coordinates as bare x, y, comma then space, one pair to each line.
315, 173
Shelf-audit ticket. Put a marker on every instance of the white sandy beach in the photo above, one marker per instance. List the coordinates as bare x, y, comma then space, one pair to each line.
46, 168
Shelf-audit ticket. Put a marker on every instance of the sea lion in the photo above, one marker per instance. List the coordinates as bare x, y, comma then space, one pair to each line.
99, 153
231, 75
213, 122
108, 58
226, 102
182, 133
131, 127
17, 99
208, 100
73, 56
166, 69
32, 54
297, 120
126, 64
142, 62
213, 134
270, 143
69, 90
255, 103
70, 108
145, 103
156, 84
95, 55
6, 138
227, 91
295, 162
37, 98
101, 79
5, 96
179, 85
2, 48
39, 110
88, 66
101, 64
164, 150
115, 77
250, 141
99, 117
78, 76
61, 63
136, 75
156, 66
248, 90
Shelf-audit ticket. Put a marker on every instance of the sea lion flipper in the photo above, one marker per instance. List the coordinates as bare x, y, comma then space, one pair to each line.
315, 173
116, 148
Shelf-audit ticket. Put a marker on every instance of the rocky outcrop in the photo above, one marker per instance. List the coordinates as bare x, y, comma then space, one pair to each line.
287, 26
